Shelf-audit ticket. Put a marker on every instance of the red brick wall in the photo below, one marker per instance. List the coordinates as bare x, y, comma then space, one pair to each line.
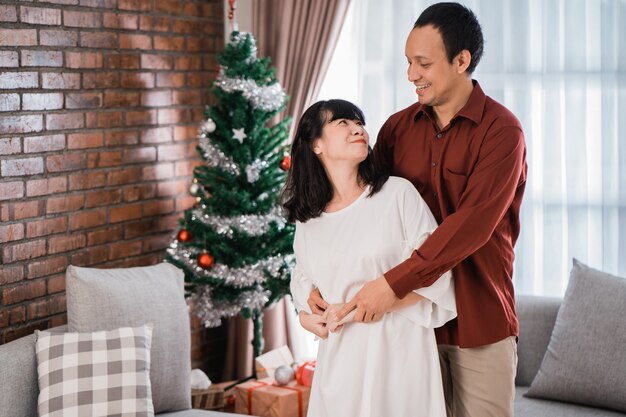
99, 106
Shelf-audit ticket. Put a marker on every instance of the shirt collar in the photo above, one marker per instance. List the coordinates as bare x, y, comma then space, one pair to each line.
473, 109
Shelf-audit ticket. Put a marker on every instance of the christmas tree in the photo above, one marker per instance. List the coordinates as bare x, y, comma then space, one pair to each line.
235, 246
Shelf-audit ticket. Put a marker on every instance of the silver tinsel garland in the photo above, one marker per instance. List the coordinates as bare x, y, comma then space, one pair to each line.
252, 224
235, 277
268, 98
211, 312
253, 171
216, 157
239, 38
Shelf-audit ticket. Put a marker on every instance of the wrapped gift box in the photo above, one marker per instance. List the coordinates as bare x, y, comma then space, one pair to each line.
267, 363
265, 399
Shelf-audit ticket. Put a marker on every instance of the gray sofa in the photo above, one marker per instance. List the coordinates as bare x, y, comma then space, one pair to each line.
537, 316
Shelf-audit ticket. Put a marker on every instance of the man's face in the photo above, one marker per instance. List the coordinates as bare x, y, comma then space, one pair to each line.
429, 70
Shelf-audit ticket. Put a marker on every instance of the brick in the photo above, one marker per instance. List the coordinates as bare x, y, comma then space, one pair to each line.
169, 43
171, 188
68, 243
25, 291
124, 213
156, 135
11, 190
18, 37
103, 198
110, 119
156, 98
189, 132
60, 80
46, 186
99, 40
170, 80
21, 167
87, 219
158, 172
123, 176
9, 59
59, 1
101, 80
157, 243
173, 152
48, 266
189, 62
44, 143
11, 232
27, 209
139, 192
45, 227
90, 256
137, 80
171, 116
108, 4
167, 6
11, 274
52, 37
198, 80
9, 102
185, 168
10, 146
64, 204
141, 117
120, 138
105, 235
8, 14
23, 251
122, 61
56, 283
156, 208
47, 307
104, 159
85, 140
81, 19
186, 98
11, 80
21, 124
124, 249
11, 335
17, 315
40, 15
121, 99
164, 223
120, 21
65, 162
182, 26
138, 228
139, 5
195, 45
153, 23
135, 41
42, 101
42, 58
83, 59
83, 100
157, 62
85, 180
139, 155
64, 121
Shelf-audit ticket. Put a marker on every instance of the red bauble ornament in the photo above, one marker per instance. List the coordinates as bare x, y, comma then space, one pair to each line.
205, 260
285, 164
184, 235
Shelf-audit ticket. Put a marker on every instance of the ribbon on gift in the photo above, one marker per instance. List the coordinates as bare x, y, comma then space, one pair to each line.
309, 366
264, 384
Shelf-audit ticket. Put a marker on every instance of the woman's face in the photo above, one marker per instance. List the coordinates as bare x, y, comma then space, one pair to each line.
342, 140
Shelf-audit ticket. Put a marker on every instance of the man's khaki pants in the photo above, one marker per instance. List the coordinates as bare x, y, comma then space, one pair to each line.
479, 382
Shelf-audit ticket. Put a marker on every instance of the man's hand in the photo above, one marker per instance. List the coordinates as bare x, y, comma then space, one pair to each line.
371, 302
316, 302
314, 323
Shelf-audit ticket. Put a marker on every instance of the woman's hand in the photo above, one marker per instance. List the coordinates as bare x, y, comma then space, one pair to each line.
314, 323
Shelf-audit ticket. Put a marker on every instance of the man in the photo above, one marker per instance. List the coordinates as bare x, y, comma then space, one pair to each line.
465, 153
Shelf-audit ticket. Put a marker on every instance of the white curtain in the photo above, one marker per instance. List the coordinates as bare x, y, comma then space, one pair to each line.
560, 66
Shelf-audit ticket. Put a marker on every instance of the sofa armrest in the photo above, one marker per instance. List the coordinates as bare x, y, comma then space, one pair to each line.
536, 316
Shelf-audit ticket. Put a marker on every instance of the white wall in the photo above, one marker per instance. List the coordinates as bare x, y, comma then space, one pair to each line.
243, 17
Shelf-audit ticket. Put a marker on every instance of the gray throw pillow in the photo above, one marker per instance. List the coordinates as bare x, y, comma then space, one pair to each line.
585, 361
107, 299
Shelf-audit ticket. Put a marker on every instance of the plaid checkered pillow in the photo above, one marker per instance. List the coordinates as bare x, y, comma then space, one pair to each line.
95, 374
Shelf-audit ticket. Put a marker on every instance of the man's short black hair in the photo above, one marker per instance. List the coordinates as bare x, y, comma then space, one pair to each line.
458, 27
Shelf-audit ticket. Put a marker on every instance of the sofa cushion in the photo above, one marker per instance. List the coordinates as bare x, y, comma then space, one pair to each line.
585, 361
531, 407
99, 373
104, 299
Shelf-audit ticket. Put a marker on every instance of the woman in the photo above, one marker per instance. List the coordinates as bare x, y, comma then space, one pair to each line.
352, 225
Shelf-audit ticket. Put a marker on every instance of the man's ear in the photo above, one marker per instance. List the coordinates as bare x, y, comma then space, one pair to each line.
463, 60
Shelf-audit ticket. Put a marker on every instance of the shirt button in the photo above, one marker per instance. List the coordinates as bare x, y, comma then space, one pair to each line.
439, 135
435, 193
434, 164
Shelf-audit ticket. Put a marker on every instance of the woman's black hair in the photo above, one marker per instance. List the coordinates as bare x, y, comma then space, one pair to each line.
308, 189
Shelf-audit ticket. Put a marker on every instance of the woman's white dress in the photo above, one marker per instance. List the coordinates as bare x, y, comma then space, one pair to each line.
390, 367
